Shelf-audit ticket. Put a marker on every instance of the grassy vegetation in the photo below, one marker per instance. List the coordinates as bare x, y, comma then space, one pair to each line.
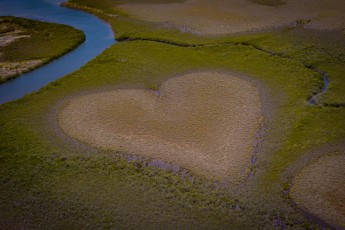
313, 49
322, 51
45, 180
106, 4
44, 41
269, 2
28, 142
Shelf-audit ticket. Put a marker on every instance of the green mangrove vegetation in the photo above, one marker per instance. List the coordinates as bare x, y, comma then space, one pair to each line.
47, 179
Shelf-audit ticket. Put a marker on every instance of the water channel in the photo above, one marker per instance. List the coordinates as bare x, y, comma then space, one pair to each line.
99, 36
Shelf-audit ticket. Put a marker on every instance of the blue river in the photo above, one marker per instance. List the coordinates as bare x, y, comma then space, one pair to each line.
99, 36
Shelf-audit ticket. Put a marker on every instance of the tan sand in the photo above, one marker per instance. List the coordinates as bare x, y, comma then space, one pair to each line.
320, 188
10, 37
202, 121
236, 16
8, 69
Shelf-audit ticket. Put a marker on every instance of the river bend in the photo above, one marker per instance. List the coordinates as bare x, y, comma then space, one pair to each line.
99, 36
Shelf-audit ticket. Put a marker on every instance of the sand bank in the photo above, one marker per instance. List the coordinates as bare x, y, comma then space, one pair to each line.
202, 121
236, 16
320, 188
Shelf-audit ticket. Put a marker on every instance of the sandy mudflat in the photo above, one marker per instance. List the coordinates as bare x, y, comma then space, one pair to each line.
202, 121
320, 188
234, 16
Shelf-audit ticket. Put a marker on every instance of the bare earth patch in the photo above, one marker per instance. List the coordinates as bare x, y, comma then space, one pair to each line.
8, 38
202, 121
234, 16
8, 69
320, 188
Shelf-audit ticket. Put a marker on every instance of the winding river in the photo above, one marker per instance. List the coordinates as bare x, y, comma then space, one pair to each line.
99, 36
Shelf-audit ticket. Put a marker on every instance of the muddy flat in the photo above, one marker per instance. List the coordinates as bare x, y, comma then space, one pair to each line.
320, 188
205, 122
229, 16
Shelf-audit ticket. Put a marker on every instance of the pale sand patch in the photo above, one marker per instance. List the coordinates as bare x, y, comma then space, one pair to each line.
202, 121
320, 188
8, 38
8, 69
234, 16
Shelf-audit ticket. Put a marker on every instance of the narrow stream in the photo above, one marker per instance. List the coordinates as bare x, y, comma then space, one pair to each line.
313, 100
99, 36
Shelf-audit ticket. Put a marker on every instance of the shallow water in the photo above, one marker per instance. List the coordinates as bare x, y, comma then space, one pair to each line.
99, 36
313, 99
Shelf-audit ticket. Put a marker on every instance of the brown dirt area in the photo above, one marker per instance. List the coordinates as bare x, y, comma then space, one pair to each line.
8, 69
215, 17
320, 188
203, 121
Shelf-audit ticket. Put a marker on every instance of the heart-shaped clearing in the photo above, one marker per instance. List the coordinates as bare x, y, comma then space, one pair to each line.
202, 121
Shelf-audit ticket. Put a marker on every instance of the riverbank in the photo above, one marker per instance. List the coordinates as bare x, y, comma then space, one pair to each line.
27, 44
